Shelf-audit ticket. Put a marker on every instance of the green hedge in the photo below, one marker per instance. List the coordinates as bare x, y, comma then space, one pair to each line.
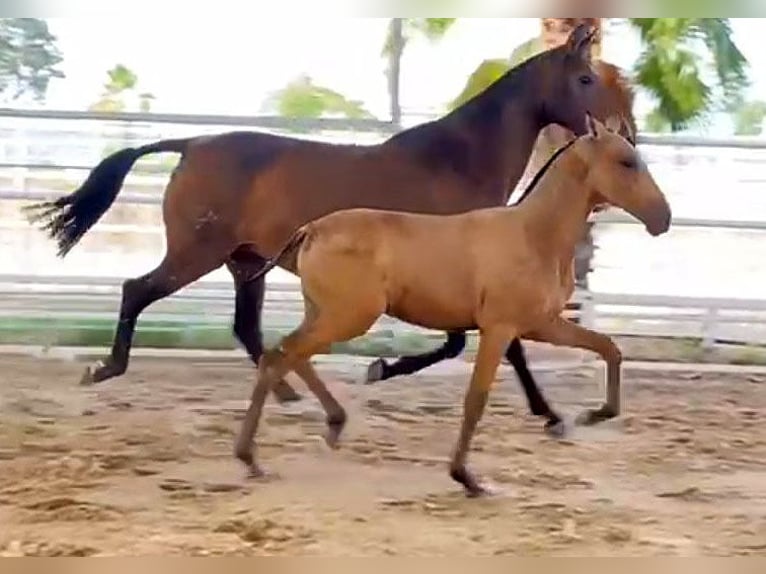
168, 335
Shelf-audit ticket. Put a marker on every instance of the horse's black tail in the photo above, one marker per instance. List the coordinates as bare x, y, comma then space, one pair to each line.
292, 245
68, 218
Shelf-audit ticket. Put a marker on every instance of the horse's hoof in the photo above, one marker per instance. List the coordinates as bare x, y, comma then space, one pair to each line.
93, 374
556, 430
376, 371
593, 417
289, 399
87, 378
285, 394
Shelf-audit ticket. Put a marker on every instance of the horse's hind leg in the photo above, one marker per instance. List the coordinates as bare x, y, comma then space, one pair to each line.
248, 310
537, 403
380, 370
176, 271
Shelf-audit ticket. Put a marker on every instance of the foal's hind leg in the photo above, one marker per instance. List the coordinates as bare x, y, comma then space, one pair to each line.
177, 270
248, 310
564, 333
336, 415
314, 335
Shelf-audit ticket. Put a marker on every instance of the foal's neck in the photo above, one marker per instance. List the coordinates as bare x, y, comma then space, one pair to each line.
556, 212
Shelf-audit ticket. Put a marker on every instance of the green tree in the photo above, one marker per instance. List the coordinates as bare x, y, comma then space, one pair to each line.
122, 86
28, 58
689, 66
748, 116
302, 98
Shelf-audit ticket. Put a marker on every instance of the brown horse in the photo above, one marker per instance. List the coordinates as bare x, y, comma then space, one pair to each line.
507, 271
617, 100
235, 198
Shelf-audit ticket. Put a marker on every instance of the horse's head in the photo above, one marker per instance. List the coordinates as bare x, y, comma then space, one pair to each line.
566, 83
617, 175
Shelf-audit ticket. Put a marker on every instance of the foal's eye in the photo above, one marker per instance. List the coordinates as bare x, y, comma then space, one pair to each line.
586, 80
629, 163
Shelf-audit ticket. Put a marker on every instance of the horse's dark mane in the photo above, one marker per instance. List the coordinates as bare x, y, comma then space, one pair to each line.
451, 139
486, 105
539, 175
484, 108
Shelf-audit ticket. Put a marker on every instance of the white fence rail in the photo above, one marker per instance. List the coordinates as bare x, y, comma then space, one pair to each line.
43, 154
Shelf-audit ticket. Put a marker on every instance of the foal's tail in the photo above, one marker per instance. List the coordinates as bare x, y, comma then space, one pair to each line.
68, 218
293, 244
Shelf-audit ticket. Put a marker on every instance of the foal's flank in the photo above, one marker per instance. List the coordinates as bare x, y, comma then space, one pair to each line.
506, 271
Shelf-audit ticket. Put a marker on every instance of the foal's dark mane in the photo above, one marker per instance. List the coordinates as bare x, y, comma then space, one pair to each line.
539, 175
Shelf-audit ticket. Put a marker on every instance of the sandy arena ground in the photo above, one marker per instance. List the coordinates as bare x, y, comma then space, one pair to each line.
143, 465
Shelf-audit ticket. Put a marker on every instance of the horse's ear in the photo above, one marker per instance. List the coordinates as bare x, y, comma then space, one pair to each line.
593, 129
580, 40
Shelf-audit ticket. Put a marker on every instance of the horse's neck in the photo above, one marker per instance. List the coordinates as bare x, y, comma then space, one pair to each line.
557, 211
500, 128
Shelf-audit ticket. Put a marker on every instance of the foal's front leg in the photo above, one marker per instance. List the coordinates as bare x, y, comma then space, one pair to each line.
492, 344
564, 333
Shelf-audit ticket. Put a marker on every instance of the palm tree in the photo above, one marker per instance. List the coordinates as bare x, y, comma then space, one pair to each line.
400, 32
675, 53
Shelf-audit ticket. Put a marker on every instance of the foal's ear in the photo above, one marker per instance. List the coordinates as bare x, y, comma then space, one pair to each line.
580, 40
630, 131
615, 123
593, 128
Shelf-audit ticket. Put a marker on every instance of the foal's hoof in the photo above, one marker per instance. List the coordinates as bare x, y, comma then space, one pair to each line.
376, 371
556, 429
256, 472
334, 430
253, 469
592, 417
473, 489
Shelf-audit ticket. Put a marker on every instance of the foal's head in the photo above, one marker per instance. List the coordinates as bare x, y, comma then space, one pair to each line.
618, 176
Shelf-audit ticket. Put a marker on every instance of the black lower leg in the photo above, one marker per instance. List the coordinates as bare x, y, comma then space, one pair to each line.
137, 295
537, 403
413, 363
247, 315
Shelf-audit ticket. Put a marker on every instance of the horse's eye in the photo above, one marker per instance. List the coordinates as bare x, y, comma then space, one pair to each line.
586, 80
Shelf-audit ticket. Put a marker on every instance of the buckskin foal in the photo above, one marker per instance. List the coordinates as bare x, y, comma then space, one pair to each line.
506, 271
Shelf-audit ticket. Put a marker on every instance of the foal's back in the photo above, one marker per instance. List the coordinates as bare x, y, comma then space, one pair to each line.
430, 270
